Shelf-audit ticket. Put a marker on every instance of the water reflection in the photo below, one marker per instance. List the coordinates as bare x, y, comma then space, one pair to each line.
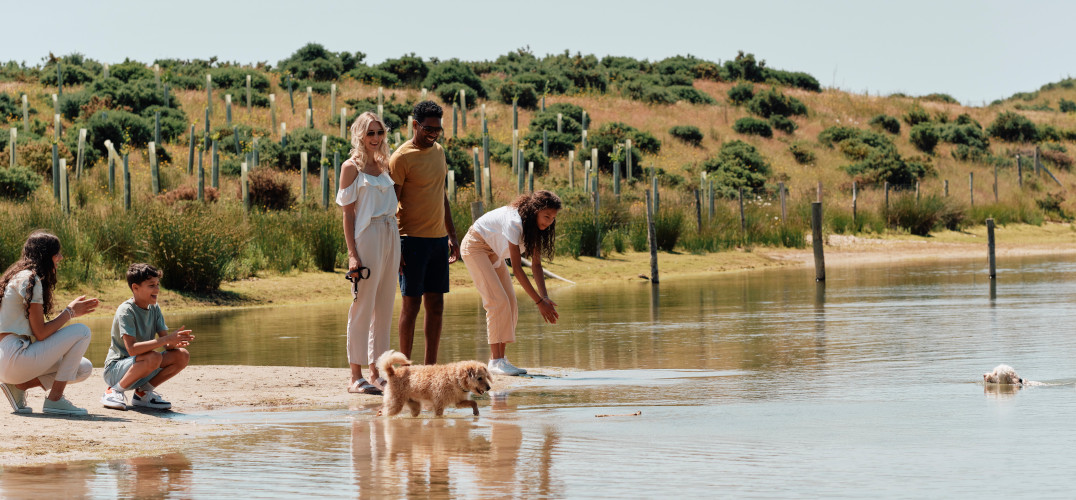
160, 476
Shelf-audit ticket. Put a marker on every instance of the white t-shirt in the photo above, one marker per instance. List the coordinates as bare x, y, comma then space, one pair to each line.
372, 195
500, 227
13, 308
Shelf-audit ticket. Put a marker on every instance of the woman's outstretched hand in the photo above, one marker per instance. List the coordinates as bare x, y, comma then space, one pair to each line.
547, 307
82, 305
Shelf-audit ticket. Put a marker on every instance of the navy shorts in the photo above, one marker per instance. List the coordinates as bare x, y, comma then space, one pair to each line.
425, 265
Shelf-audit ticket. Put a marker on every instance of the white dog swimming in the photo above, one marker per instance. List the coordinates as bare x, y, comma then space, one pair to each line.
1003, 374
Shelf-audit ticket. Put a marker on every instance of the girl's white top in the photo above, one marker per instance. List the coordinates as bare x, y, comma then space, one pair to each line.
13, 308
500, 227
372, 195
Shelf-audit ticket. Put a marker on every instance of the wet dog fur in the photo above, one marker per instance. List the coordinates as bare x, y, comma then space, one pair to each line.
1003, 374
437, 385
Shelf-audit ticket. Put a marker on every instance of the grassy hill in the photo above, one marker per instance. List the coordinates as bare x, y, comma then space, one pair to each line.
757, 128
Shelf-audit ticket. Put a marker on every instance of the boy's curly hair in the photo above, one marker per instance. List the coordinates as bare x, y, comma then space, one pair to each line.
534, 239
138, 273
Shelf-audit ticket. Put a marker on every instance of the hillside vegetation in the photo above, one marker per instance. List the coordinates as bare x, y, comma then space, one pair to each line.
721, 127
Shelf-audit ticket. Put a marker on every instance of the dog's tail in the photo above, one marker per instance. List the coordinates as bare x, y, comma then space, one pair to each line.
386, 362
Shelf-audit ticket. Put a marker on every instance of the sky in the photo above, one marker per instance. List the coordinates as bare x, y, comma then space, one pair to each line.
975, 51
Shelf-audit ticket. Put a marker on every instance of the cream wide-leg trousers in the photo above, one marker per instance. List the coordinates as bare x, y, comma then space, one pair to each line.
57, 358
370, 318
494, 284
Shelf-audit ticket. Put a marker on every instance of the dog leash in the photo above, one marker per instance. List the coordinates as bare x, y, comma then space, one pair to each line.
354, 276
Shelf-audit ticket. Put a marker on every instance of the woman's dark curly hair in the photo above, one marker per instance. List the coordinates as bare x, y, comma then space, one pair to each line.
37, 253
534, 239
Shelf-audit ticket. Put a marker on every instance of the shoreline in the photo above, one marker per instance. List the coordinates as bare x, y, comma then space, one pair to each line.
109, 434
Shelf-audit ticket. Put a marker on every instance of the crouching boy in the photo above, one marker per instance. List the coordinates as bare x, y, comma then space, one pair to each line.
138, 330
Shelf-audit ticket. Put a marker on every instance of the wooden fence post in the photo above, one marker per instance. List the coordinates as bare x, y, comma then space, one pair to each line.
1019, 172
652, 240
855, 201
990, 247
698, 211
571, 168
971, 187
214, 177
816, 241
81, 160
743, 219
154, 171
302, 175
784, 210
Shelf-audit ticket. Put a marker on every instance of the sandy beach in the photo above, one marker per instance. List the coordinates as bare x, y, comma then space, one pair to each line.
105, 434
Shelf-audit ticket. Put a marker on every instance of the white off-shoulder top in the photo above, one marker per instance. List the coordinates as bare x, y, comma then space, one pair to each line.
372, 195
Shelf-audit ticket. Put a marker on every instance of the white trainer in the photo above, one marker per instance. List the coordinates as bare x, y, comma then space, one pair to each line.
62, 407
17, 398
512, 368
114, 399
501, 366
150, 400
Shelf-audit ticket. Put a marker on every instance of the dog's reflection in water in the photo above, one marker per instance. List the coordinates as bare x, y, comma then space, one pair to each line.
417, 457
1001, 391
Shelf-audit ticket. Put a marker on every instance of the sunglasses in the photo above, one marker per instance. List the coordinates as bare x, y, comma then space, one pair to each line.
431, 130
371, 133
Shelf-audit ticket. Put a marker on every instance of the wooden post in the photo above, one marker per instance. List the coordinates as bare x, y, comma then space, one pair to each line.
990, 247
816, 241
309, 118
594, 160
743, 219
12, 157
249, 105
583, 144
560, 119
571, 168
616, 179
302, 175
190, 153
586, 176
59, 78
154, 171
657, 194
917, 192
56, 172
343, 124
530, 177
332, 100
946, 188
485, 125
332, 172
515, 113
310, 106
81, 159
710, 197
819, 191
463, 108
597, 218
157, 128
521, 174
887, 196
65, 198
489, 185
228, 109
209, 91
205, 140
698, 211
476, 210
971, 187
455, 120
58, 126
855, 201
515, 149
584, 124
323, 174
995, 183
627, 159
111, 167
1019, 172
652, 240
25, 113
784, 210
411, 125
201, 177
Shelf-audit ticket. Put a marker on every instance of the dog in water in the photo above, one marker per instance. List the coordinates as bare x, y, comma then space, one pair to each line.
1003, 374
436, 385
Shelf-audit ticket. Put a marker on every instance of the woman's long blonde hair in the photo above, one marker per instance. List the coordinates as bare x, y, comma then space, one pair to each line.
358, 133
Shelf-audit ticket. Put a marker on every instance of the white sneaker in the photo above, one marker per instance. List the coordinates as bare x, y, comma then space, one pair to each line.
114, 399
17, 398
150, 400
501, 366
62, 407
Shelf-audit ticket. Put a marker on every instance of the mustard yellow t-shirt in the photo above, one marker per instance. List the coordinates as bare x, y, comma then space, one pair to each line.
420, 174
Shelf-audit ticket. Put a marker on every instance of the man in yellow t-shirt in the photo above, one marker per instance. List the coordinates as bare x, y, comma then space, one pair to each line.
427, 235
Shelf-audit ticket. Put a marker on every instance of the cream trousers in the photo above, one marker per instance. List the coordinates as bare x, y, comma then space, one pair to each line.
57, 358
370, 319
494, 284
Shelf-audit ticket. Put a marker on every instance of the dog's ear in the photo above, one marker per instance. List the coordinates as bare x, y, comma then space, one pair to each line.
470, 373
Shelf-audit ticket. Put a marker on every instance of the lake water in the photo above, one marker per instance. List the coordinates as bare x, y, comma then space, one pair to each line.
759, 384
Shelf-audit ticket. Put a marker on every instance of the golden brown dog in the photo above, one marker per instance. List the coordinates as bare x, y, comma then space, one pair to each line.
437, 385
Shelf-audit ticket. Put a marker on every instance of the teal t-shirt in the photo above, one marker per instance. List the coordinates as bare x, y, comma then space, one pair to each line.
142, 324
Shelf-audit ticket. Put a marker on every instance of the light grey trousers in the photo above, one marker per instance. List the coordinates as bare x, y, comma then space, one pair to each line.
57, 358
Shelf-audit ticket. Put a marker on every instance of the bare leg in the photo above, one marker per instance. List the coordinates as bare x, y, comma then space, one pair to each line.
435, 307
172, 362
496, 351
356, 372
408, 315
57, 391
143, 365
29, 385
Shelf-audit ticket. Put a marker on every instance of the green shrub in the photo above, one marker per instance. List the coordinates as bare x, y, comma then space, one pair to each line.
1051, 204
772, 102
194, 247
886, 165
738, 164
173, 122
802, 153
312, 61
233, 77
374, 76
120, 127
689, 134
939, 97
18, 183
409, 69
454, 71
394, 114
450, 93
610, 135
916, 115
77, 70
886, 122
1066, 106
691, 94
1012, 127
783, 123
37, 156
668, 225
524, 94
924, 136
920, 217
741, 93
969, 134
460, 159
309, 140
752, 126
320, 230
559, 144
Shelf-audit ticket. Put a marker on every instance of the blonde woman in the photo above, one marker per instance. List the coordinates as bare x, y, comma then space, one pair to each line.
368, 201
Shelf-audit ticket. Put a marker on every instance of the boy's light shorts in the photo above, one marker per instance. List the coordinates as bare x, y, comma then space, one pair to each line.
119, 368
